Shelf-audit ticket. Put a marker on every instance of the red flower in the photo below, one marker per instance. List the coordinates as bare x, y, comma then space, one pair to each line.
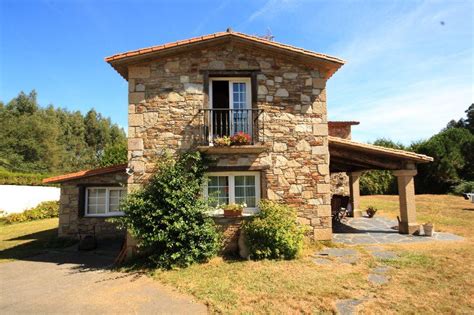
240, 138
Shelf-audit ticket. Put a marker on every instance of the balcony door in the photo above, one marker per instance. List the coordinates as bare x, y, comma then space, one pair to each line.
231, 106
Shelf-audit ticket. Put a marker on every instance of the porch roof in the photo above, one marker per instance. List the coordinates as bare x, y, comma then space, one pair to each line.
85, 173
351, 156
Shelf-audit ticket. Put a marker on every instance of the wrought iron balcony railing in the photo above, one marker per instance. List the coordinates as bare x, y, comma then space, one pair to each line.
217, 123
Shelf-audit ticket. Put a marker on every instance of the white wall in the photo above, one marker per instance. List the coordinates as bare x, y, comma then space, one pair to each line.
14, 198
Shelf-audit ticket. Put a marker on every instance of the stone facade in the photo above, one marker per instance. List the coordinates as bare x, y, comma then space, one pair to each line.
74, 225
340, 130
165, 96
230, 229
340, 184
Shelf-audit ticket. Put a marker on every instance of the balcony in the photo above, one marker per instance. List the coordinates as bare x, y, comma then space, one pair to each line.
217, 123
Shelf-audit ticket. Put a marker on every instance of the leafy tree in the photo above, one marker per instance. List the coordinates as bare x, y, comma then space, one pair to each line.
34, 139
114, 154
378, 182
450, 166
168, 216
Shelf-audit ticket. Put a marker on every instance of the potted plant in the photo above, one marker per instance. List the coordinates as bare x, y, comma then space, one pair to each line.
233, 209
222, 141
428, 228
371, 211
240, 138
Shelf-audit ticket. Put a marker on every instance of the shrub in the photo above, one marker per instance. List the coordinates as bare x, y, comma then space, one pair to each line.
275, 233
44, 210
168, 215
463, 187
13, 178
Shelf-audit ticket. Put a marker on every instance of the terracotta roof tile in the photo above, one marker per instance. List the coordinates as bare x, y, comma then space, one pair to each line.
85, 173
421, 158
253, 38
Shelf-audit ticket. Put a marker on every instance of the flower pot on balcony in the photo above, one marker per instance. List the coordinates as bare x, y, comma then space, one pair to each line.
232, 213
234, 210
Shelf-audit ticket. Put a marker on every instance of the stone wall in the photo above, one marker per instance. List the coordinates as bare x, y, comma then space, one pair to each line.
230, 229
71, 223
340, 131
165, 96
340, 184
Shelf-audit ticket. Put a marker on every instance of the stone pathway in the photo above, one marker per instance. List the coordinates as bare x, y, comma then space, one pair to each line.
371, 233
378, 276
380, 230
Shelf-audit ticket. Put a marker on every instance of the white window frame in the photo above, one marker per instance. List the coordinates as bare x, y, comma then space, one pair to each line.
248, 97
249, 211
107, 202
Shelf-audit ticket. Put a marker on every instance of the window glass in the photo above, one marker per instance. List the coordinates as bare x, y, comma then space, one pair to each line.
240, 115
104, 200
245, 190
115, 196
218, 190
97, 201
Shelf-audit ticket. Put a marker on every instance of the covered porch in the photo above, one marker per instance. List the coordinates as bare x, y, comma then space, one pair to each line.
354, 157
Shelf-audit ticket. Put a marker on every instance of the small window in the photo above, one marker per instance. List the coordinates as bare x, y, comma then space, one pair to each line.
233, 187
104, 201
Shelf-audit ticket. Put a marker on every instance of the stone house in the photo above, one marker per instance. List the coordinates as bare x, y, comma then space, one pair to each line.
189, 94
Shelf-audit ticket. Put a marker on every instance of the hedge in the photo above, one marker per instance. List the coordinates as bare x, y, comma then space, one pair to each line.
12, 178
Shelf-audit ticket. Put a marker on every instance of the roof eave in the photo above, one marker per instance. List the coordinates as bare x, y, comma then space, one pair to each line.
119, 61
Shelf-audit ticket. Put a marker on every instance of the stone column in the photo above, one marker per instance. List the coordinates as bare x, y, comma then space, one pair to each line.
355, 193
406, 194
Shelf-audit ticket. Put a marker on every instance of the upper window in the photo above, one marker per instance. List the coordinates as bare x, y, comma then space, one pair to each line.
104, 201
231, 105
234, 187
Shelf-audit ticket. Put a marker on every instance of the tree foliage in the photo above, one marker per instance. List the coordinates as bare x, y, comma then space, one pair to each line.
378, 182
34, 139
168, 215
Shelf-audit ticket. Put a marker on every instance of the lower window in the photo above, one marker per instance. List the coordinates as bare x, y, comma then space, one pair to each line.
233, 187
104, 201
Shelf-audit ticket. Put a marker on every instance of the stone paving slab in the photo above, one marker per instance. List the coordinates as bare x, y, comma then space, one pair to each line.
377, 279
347, 307
380, 230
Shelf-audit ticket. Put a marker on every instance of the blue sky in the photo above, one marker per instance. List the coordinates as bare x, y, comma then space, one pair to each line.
406, 75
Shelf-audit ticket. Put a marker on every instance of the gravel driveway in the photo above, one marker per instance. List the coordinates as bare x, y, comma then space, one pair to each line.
81, 283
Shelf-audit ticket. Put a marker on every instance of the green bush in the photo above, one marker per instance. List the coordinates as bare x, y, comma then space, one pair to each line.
14, 178
168, 215
275, 233
44, 210
463, 187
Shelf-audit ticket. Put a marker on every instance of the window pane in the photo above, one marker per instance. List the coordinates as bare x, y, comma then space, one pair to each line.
251, 202
96, 200
218, 190
250, 191
239, 192
245, 190
213, 181
239, 180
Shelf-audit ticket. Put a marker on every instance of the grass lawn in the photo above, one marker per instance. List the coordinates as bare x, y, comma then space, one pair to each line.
427, 278
21, 240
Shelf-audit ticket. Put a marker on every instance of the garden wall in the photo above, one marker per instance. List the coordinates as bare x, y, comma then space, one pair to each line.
15, 199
